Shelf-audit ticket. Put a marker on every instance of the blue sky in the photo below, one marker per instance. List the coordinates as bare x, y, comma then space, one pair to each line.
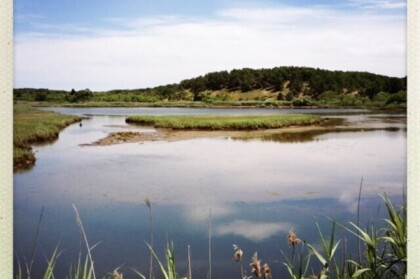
108, 44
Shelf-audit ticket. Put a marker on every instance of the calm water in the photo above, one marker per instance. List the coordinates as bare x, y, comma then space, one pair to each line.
256, 190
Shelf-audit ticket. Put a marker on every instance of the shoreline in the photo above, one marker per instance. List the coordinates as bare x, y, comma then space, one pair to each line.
228, 105
285, 135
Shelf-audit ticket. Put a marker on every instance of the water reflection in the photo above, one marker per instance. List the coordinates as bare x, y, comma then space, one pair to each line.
316, 135
256, 189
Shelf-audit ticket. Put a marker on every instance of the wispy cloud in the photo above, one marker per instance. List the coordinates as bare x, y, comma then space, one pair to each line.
28, 17
255, 231
379, 4
150, 51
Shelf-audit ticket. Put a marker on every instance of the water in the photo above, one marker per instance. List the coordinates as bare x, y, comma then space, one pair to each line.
255, 190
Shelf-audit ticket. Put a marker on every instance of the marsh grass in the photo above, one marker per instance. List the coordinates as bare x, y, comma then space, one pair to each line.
383, 255
169, 270
33, 126
225, 122
149, 206
88, 247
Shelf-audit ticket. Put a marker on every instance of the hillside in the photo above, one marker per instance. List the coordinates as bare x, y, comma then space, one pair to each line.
277, 86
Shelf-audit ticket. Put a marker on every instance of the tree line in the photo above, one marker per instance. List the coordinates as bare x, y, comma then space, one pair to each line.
309, 81
287, 82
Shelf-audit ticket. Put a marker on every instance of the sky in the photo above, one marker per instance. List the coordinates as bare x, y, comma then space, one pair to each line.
110, 44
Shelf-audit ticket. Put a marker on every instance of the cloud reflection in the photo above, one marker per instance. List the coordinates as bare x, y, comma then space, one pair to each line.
201, 211
252, 230
349, 200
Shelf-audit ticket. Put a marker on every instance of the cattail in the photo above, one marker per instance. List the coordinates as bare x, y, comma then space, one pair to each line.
238, 253
148, 202
266, 271
256, 265
116, 274
292, 238
321, 274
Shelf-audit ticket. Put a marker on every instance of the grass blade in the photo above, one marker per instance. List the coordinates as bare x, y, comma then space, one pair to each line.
79, 223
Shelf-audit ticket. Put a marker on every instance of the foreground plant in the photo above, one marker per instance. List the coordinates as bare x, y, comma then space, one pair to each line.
385, 248
302, 261
396, 237
259, 271
384, 255
89, 249
168, 271
149, 205
329, 250
238, 257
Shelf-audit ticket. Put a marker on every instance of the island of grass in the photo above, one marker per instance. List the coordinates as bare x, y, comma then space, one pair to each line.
225, 122
32, 126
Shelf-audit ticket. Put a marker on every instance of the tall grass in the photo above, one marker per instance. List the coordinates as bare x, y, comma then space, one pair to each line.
31, 126
225, 122
384, 253
149, 205
88, 247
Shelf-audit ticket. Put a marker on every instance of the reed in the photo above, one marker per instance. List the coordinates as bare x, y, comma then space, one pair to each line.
29, 270
149, 206
329, 249
168, 271
238, 257
88, 247
209, 235
225, 122
384, 254
49, 272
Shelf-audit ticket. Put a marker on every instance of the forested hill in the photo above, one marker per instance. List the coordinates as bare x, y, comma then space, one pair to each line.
296, 80
288, 84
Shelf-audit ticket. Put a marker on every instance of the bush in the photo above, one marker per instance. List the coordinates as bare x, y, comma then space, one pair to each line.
302, 101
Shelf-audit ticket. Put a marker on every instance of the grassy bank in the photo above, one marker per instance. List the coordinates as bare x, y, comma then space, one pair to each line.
225, 122
31, 126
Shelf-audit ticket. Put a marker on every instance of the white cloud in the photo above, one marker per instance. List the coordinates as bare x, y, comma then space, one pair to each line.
254, 231
379, 4
349, 200
153, 51
200, 208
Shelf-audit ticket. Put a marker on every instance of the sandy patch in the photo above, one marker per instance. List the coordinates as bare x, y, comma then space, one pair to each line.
175, 135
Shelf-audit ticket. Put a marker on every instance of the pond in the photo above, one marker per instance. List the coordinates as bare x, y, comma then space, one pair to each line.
244, 192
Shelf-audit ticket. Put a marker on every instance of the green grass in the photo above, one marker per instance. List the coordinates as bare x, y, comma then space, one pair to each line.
31, 126
210, 122
384, 250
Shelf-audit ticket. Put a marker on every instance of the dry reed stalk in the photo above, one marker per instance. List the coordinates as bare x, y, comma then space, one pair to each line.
116, 274
358, 219
266, 271
29, 270
149, 205
238, 256
293, 240
209, 275
80, 225
189, 263
256, 265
